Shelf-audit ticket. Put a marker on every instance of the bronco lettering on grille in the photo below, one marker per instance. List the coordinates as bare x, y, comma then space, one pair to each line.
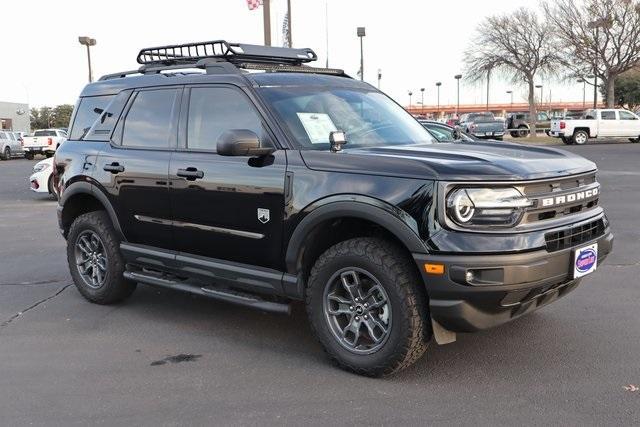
569, 198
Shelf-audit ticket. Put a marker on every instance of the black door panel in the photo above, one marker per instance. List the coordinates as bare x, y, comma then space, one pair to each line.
229, 208
233, 212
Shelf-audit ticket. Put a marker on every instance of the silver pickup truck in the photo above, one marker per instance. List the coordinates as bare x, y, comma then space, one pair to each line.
482, 125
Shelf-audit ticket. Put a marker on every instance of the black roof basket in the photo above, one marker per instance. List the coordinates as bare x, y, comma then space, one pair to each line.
237, 53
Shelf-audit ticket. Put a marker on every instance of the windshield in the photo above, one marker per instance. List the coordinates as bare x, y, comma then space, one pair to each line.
368, 118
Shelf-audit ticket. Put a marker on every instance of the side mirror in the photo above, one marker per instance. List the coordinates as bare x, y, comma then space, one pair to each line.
241, 142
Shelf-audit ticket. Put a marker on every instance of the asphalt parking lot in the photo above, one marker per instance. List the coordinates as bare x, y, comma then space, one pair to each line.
164, 358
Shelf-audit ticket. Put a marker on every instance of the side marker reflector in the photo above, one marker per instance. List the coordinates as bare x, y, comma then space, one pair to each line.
434, 268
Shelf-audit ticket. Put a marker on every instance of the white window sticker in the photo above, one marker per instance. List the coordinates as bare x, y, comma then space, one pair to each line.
318, 126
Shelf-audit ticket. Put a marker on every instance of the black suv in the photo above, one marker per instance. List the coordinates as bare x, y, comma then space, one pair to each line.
258, 180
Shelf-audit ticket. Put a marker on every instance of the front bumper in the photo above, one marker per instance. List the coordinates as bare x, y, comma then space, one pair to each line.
504, 286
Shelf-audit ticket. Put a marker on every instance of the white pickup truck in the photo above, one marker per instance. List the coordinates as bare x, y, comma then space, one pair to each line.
43, 141
608, 123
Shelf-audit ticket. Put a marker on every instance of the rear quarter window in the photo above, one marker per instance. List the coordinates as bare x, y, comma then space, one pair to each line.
87, 112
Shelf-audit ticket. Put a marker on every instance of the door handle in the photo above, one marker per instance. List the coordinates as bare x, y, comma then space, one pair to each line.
114, 167
190, 173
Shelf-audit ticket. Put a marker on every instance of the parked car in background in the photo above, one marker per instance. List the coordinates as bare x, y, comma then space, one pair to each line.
43, 141
482, 125
608, 123
41, 179
452, 121
446, 133
10, 145
518, 124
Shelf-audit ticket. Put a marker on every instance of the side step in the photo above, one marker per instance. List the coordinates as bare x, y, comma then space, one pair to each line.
228, 295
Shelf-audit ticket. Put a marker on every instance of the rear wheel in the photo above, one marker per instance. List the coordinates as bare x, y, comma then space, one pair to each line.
28, 155
367, 307
566, 140
94, 258
49, 154
634, 140
523, 131
580, 137
6, 154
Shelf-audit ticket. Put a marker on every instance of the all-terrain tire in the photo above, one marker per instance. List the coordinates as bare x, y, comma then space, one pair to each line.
410, 328
114, 287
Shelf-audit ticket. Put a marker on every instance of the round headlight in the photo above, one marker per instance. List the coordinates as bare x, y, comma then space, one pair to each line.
462, 207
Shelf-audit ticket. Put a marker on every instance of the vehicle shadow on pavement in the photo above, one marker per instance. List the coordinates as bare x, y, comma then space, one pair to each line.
500, 352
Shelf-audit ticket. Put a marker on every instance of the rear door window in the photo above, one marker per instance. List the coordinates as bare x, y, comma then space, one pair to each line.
88, 111
150, 122
608, 115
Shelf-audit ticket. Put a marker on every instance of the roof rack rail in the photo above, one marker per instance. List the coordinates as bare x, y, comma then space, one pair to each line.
191, 53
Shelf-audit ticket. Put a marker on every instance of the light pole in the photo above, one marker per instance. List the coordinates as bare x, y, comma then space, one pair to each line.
510, 92
438, 84
379, 77
410, 93
422, 99
597, 24
361, 33
584, 91
540, 87
458, 77
88, 41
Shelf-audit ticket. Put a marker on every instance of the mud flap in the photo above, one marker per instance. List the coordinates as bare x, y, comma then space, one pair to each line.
442, 335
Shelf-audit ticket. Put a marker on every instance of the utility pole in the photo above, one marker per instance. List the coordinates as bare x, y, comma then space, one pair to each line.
410, 93
422, 100
266, 19
379, 77
510, 92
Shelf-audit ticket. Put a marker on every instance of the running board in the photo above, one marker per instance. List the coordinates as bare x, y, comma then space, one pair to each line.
228, 295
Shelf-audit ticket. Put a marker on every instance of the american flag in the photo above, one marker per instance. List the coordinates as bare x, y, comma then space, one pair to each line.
254, 4
285, 30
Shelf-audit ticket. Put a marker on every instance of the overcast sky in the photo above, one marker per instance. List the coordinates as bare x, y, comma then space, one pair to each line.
414, 42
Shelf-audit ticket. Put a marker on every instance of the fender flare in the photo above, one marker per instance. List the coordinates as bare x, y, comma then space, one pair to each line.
80, 187
393, 219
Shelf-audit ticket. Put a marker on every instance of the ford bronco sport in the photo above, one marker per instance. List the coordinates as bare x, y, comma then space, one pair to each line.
238, 172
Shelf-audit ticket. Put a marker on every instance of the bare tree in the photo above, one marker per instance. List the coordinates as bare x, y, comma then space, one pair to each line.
514, 46
598, 37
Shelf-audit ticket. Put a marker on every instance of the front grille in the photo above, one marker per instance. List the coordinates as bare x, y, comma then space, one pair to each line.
566, 192
574, 236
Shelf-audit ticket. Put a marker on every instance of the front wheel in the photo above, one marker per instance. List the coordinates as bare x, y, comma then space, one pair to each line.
94, 258
634, 140
52, 188
580, 137
367, 307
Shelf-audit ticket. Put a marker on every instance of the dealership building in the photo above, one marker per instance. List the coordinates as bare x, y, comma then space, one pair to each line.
14, 116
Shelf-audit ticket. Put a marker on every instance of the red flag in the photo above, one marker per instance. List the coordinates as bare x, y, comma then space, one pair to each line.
254, 4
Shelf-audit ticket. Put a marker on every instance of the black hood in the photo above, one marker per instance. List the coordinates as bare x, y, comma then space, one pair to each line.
472, 161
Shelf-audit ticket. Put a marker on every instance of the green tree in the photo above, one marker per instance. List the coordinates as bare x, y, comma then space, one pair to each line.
627, 89
62, 115
41, 118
